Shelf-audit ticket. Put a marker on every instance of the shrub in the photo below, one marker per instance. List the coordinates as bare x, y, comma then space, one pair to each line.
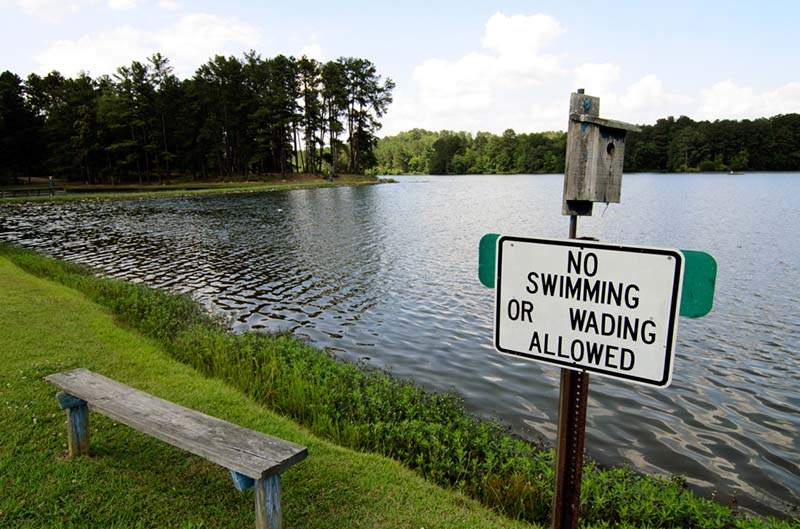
367, 409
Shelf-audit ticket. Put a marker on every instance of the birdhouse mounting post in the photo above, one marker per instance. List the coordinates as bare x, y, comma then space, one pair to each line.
593, 173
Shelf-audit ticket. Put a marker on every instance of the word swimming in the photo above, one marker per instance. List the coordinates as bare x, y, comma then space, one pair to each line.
600, 291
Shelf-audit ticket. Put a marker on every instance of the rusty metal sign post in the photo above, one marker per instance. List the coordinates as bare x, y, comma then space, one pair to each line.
593, 173
572, 403
530, 300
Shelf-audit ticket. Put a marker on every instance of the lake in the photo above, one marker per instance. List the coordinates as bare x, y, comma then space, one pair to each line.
388, 274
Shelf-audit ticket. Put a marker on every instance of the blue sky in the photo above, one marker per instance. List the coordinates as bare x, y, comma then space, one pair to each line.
457, 64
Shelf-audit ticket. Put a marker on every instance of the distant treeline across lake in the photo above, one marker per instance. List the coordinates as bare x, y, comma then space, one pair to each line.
673, 145
240, 117
235, 117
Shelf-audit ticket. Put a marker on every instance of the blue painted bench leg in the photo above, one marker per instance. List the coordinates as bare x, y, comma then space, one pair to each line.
268, 498
242, 482
268, 503
77, 423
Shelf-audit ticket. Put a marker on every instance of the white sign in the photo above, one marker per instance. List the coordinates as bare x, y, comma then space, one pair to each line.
602, 308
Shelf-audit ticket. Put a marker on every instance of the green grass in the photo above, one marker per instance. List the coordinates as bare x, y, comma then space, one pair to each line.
132, 480
193, 189
369, 410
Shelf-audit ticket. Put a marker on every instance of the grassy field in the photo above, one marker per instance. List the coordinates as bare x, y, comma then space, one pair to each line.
366, 410
133, 480
192, 188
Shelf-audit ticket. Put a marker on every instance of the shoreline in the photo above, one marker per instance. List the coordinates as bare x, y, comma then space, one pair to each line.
653, 172
49, 327
428, 430
191, 189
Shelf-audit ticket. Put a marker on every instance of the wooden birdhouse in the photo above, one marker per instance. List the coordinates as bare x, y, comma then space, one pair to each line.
595, 154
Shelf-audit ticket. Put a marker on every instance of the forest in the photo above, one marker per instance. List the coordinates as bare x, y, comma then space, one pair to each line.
669, 145
235, 117
240, 117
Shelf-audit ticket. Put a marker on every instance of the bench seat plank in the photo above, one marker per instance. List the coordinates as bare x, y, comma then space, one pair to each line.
250, 453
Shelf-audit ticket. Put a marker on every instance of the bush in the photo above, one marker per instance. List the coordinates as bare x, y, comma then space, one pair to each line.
707, 166
367, 409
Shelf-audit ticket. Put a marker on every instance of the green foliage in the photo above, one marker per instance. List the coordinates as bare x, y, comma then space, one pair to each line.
19, 124
669, 145
194, 188
134, 481
369, 410
420, 151
739, 160
234, 117
707, 165
764, 144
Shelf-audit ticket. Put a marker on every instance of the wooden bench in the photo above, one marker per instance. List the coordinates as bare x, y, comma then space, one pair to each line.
253, 459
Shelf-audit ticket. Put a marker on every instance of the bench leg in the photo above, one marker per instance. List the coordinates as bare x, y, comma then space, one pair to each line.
242, 482
77, 423
268, 503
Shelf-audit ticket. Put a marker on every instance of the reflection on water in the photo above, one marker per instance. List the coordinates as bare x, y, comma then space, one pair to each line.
388, 273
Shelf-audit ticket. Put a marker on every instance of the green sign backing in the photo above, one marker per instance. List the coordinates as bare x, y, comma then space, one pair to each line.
487, 256
699, 276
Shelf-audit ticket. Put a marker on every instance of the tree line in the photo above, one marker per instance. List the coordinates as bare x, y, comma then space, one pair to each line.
763, 144
235, 117
447, 152
669, 145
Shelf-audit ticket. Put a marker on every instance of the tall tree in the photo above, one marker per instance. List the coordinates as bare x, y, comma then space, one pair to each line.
335, 105
234, 117
19, 130
168, 92
367, 101
309, 77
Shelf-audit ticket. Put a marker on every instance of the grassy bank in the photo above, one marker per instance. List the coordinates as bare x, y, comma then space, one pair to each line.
135, 481
193, 188
371, 411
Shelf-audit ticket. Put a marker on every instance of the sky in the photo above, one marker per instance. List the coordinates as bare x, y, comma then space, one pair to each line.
458, 65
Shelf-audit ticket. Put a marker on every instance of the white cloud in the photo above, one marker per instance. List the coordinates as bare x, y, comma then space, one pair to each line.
547, 116
458, 93
122, 4
726, 99
519, 35
168, 5
596, 78
312, 51
53, 10
645, 101
649, 90
188, 43
99, 53
516, 81
56, 10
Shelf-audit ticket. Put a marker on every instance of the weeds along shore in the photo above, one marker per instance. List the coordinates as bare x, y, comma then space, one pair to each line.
371, 411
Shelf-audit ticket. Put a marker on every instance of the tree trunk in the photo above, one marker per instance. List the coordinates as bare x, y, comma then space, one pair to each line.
296, 151
350, 110
166, 150
321, 145
138, 163
333, 147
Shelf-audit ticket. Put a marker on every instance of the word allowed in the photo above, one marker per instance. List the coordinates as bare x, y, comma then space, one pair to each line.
589, 306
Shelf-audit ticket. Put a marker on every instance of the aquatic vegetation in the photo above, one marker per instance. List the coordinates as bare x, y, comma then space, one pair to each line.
369, 410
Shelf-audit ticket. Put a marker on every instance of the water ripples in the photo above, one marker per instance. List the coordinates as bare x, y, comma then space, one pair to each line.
388, 273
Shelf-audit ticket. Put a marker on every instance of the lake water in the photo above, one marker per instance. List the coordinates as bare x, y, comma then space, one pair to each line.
388, 274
